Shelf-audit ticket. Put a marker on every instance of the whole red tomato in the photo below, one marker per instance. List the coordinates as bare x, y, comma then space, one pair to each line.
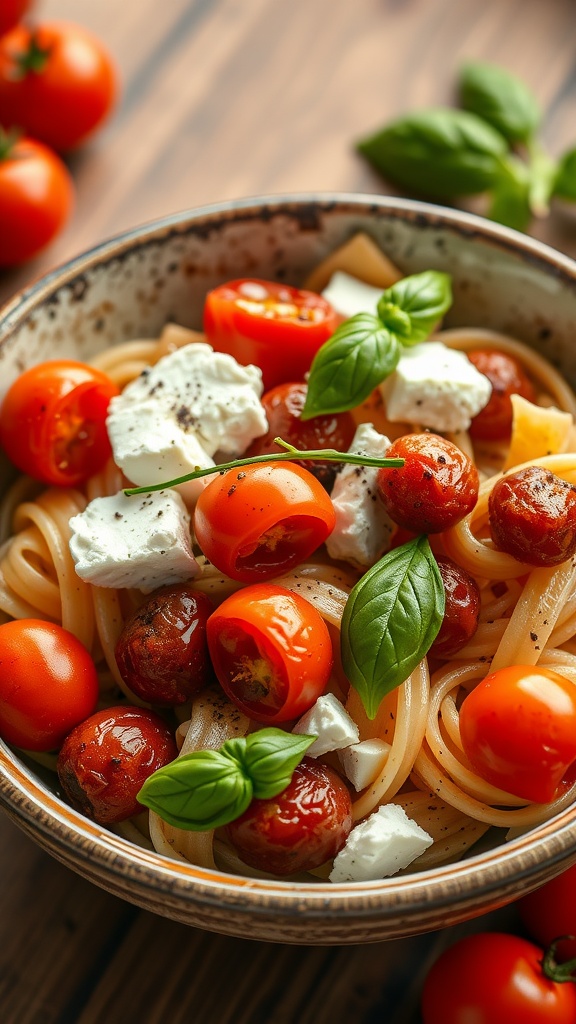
53, 421
278, 328
256, 522
11, 12
57, 82
48, 683
36, 198
550, 912
271, 652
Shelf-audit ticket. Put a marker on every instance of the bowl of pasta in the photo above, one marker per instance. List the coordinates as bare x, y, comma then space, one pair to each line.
287, 575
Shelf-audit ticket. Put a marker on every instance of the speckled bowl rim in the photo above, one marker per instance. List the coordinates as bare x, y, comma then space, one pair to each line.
475, 884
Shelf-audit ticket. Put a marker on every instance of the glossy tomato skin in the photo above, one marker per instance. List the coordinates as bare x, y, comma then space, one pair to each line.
162, 652
11, 12
462, 609
36, 199
271, 652
550, 911
66, 94
492, 978
53, 421
436, 487
303, 827
518, 729
507, 377
48, 683
277, 327
105, 761
533, 516
262, 520
283, 406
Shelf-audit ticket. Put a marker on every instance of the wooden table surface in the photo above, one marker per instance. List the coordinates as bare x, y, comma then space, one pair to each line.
221, 99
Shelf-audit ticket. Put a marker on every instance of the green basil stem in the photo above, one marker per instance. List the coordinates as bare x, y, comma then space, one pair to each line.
290, 453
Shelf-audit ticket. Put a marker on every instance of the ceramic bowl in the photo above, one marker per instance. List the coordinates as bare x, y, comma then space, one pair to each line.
129, 288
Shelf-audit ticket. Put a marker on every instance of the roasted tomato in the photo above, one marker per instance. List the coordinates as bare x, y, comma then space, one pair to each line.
48, 683
162, 652
303, 827
278, 328
283, 407
11, 12
53, 421
105, 761
462, 609
271, 652
507, 377
262, 520
518, 729
551, 911
436, 487
533, 516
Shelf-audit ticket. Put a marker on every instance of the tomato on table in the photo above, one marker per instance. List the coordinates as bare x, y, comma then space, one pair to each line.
492, 978
48, 683
57, 82
550, 912
256, 522
274, 326
36, 197
271, 652
53, 421
11, 12
518, 729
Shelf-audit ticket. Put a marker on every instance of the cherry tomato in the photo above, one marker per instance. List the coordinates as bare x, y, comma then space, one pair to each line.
278, 328
53, 421
550, 912
533, 516
36, 198
436, 487
105, 761
518, 729
48, 683
462, 609
492, 978
303, 827
271, 652
283, 407
11, 12
162, 652
57, 82
262, 520
507, 377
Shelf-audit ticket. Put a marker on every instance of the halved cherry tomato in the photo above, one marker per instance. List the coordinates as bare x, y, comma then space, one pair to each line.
57, 82
53, 421
278, 328
550, 911
492, 978
271, 652
262, 520
48, 683
11, 12
518, 729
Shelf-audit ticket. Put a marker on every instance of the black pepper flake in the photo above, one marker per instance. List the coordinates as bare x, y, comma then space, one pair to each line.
118, 515
231, 491
533, 637
241, 476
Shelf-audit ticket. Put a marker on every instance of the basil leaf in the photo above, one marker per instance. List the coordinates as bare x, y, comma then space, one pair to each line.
510, 205
270, 758
360, 354
390, 621
421, 299
199, 791
439, 152
565, 182
501, 99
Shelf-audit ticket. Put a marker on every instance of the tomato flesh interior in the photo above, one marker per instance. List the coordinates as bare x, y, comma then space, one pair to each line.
281, 546
254, 669
78, 437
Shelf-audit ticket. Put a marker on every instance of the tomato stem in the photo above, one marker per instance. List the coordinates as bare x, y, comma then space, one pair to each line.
8, 140
555, 971
33, 60
325, 454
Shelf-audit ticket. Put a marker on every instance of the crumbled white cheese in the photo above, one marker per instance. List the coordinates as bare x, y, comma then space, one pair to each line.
179, 413
349, 296
363, 527
380, 846
330, 722
363, 762
436, 386
141, 541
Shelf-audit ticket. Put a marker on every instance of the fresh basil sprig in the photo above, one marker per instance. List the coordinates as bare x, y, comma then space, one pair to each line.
390, 621
365, 349
209, 788
565, 181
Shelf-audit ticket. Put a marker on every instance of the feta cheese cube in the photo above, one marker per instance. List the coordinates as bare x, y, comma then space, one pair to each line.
436, 386
349, 296
330, 722
363, 762
363, 527
142, 541
380, 846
